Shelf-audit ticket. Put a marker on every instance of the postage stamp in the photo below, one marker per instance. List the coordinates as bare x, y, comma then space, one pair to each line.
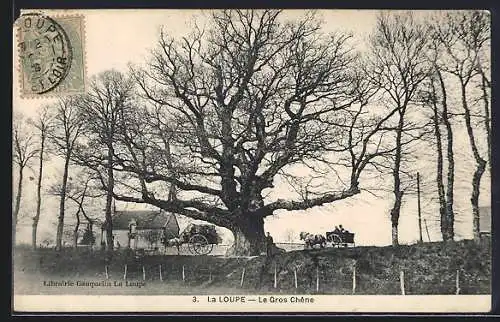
252, 161
51, 55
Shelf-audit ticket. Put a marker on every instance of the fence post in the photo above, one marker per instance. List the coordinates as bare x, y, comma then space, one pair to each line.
275, 278
295, 276
210, 276
161, 276
402, 282
458, 283
183, 274
317, 279
242, 277
354, 279
125, 272
143, 273
106, 270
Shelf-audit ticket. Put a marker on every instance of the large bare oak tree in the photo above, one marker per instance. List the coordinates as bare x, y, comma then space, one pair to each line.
227, 111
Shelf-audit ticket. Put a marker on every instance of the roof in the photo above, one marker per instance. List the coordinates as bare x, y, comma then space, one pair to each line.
485, 219
145, 219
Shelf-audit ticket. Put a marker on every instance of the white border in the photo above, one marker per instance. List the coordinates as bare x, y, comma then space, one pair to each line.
322, 303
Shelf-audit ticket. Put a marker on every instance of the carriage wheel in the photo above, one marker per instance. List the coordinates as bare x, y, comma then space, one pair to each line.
199, 245
336, 240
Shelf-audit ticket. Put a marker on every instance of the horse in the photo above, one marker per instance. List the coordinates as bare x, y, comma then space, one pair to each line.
177, 242
311, 239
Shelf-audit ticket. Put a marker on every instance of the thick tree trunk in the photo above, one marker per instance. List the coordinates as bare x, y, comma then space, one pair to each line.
62, 203
109, 200
394, 234
36, 219
398, 194
439, 177
249, 237
17, 204
451, 163
480, 166
395, 211
450, 181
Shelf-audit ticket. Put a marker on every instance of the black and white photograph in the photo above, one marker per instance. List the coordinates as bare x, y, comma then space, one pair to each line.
259, 160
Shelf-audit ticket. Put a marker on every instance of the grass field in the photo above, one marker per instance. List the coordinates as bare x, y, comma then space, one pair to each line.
429, 268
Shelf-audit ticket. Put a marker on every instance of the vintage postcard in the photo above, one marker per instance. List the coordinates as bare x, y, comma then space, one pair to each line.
251, 161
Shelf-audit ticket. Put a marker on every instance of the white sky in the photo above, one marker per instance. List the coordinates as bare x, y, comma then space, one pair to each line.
116, 38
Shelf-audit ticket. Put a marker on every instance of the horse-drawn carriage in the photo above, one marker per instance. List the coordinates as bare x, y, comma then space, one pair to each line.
340, 238
200, 239
335, 238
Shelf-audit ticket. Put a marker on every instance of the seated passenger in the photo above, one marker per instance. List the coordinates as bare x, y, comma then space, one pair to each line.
336, 230
342, 230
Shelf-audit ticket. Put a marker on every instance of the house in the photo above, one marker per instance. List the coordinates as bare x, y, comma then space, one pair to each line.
143, 228
485, 220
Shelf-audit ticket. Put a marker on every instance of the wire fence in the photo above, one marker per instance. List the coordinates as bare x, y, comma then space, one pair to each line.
295, 281
276, 278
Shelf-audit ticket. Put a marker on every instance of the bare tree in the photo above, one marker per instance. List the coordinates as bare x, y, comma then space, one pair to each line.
251, 98
101, 110
399, 67
79, 191
68, 127
466, 37
43, 125
80, 187
24, 151
448, 230
445, 217
436, 97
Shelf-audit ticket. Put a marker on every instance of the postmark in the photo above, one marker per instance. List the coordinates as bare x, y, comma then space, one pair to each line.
51, 55
45, 53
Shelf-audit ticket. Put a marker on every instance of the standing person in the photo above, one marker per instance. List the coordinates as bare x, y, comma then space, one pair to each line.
269, 244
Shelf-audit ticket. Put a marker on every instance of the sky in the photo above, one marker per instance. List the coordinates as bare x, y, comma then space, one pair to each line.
115, 39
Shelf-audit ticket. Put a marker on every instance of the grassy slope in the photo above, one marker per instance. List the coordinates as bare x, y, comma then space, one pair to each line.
429, 269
